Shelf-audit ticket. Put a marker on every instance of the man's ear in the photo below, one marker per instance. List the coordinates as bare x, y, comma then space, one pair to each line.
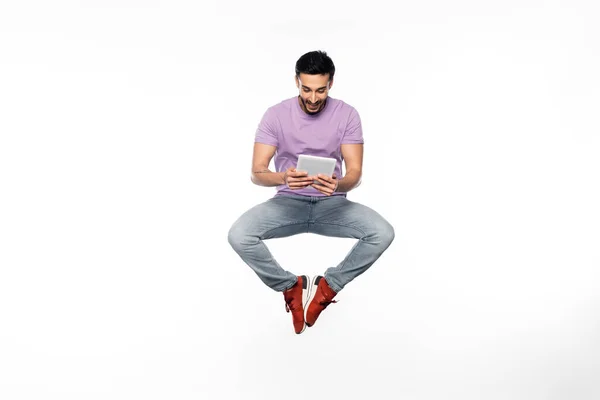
297, 81
330, 83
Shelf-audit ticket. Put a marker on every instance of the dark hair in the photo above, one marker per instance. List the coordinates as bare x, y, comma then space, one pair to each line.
315, 63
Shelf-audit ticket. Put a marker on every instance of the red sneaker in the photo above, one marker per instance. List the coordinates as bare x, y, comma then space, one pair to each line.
295, 299
321, 295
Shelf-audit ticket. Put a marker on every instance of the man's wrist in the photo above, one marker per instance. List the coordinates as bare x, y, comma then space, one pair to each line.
283, 177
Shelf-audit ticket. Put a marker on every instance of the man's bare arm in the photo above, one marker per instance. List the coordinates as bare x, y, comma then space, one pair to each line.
353, 160
261, 158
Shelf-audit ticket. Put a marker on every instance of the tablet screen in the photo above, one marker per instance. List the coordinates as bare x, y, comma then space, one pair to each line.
315, 165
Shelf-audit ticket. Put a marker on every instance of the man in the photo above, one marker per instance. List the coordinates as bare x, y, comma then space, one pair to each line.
316, 124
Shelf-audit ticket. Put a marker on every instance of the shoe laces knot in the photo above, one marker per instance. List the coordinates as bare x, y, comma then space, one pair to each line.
326, 302
289, 306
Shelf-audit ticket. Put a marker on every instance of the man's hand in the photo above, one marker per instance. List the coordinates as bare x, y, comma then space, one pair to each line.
327, 185
297, 179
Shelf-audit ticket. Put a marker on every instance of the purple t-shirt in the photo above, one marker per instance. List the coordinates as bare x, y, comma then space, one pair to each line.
294, 132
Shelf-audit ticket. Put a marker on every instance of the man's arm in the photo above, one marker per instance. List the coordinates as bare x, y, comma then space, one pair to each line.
261, 158
353, 160
262, 176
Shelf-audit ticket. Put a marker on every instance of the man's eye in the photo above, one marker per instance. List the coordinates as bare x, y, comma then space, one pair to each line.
306, 90
321, 91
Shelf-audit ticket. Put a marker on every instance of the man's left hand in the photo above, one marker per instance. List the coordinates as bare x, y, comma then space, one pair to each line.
327, 185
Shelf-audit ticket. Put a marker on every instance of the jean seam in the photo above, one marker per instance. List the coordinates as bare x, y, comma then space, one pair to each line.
342, 225
280, 226
310, 208
286, 288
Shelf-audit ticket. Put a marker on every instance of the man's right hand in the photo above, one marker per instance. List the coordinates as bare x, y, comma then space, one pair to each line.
297, 179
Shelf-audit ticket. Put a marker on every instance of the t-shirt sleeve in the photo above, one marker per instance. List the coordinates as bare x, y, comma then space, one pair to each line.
353, 133
267, 129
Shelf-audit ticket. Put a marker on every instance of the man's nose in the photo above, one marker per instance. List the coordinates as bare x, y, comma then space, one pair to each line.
313, 98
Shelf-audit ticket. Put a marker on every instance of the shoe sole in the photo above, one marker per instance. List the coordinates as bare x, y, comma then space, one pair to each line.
306, 289
314, 284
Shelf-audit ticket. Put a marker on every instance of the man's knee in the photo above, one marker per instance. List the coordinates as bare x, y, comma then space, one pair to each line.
235, 236
240, 238
386, 234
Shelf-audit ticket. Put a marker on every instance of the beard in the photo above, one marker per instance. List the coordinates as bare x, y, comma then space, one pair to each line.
320, 104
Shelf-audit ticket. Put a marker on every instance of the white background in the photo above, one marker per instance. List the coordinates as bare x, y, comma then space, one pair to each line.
126, 136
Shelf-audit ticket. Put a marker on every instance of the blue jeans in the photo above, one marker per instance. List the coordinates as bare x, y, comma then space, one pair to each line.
286, 215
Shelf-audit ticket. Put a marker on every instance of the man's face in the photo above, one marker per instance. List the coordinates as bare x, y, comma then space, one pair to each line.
313, 91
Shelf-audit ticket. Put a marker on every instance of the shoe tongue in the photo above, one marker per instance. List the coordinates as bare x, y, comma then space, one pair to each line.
328, 292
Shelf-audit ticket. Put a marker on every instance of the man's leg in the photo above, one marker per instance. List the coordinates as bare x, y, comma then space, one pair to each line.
278, 217
338, 217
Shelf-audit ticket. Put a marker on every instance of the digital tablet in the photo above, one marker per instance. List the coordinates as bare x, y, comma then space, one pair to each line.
314, 165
